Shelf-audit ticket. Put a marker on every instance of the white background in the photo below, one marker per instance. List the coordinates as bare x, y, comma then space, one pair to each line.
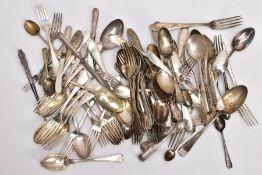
19, 154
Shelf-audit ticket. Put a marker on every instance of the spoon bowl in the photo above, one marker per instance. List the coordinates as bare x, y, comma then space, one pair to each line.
161, 111
49, 86
234, 98
165, 42
82, 145
196, 46
243, 39
31, 27
165, 82
122, 91
115, 27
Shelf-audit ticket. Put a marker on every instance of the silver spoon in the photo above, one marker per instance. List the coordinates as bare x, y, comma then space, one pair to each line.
58, 162
166, 48
242, 40
33, 29
161, 111
197, 49
82, 145
220, 125
165, 42
114, 27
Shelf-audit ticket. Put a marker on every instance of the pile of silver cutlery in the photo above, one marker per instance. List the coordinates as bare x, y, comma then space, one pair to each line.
171, 90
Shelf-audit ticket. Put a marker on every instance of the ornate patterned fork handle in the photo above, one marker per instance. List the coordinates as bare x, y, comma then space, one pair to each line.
24, 63
82, 60
172, 26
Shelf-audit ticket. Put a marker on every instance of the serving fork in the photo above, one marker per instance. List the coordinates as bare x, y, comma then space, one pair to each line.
218, 24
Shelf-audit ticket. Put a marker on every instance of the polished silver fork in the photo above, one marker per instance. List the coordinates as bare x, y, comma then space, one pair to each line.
96, 129
56, 26
46, 26
218, 24
244, 110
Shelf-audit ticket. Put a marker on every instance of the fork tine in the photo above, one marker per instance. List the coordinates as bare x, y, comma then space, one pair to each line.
215, 43
220, 42
42, 17
248, 116
45, 14
60, 21
251, 113
38, 15
53, 22
229, 25
243, 116
229, 18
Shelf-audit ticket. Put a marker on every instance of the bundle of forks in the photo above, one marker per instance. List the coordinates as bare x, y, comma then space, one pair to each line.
157, 95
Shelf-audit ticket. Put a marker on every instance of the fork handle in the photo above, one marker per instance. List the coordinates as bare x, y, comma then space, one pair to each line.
136, 119
172, 26
204, 106
82, 60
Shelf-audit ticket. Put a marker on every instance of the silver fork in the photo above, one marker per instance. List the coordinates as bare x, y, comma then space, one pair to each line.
56, 26
96, 129
112, 129
67, 147
244, 110
218, 24
45, 26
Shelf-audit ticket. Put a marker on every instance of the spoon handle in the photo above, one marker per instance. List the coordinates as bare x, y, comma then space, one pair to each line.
59, 77
42, 38
148, 152
172, 26
227, 157
45, 56
115, 158
204, 106
218, 100
187, 146
231, 74
183, 36
95, 14
133, 38
82, 61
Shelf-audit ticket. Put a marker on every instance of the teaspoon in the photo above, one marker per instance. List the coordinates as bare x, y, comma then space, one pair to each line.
33, 29
220, 125
58, 162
